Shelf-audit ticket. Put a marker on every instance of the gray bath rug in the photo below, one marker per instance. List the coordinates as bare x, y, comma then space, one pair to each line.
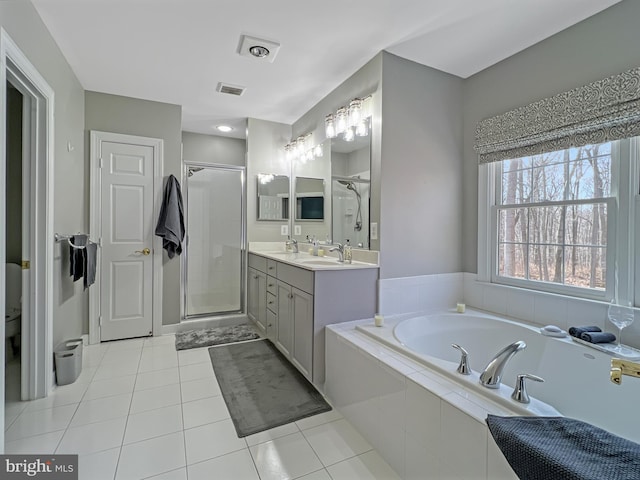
261, 388
207, 337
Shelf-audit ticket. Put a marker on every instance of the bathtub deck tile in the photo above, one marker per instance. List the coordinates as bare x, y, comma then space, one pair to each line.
472, 409
431, 385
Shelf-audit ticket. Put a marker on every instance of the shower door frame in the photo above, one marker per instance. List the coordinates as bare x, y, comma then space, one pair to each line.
243, 240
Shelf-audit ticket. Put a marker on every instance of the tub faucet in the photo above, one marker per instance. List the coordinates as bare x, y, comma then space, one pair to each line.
492, 374
340, 249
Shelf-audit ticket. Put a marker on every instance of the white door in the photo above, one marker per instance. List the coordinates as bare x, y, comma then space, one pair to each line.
126, 232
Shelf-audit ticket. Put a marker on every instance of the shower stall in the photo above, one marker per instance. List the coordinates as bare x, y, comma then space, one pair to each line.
350, 210
213, 267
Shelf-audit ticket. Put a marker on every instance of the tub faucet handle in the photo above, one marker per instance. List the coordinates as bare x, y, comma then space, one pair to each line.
463, 367
520, 392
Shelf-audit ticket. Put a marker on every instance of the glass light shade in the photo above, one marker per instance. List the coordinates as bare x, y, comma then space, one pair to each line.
341, 120
362, 130
300, 146
329, 126
367, 107
309, 155
317, 151
349, 136
355, 112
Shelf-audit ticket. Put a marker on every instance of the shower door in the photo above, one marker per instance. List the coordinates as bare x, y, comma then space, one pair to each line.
213, 273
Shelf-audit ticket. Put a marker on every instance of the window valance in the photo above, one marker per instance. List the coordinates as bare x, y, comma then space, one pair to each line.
599, 112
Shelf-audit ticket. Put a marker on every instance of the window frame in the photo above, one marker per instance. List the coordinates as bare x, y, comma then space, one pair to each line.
623, 221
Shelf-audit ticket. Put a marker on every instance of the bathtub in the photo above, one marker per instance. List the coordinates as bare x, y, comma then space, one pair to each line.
576, 377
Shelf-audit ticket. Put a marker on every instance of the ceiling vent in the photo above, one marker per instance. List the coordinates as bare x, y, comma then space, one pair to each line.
258, 48
236, 90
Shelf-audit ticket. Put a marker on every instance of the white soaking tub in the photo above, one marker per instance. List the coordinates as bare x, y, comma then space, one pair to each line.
576, 377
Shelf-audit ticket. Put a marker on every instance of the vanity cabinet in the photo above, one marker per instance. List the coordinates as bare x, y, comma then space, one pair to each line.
292, 305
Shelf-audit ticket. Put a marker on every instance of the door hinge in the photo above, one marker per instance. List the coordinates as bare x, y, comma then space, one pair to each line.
100, 320
100, 162
26, 264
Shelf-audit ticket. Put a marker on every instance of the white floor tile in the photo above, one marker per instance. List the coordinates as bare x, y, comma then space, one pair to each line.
45, 443
151, 457
64, 395
11, 412
153, 398
86, 375
236, 466
98, 466
92, 355
108, 371
153, 423
109, 388
131, 356
126, 344
194, 356
94, 437
101, 409
319, 419
194, 372
39, 422
285, 458
336, 441
201, 412
212, 440
319, 475
158, 351
368, 466
197, 389
160, 361
157, 378
272, 434
161, 340
179, 474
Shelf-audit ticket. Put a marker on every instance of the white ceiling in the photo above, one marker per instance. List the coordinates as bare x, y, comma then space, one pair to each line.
176, 51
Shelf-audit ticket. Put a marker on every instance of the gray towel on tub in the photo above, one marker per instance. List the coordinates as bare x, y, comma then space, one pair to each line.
170, 224
550, 448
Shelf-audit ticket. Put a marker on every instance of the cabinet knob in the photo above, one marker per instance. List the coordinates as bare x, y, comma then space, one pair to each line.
270, 268
269, 324
270, 302
271, 284
291, 295
255, 277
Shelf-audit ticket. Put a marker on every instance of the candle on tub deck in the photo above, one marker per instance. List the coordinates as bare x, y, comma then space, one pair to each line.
378, 320
460, 307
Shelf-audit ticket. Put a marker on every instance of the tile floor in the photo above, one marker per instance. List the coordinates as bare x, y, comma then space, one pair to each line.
142, 410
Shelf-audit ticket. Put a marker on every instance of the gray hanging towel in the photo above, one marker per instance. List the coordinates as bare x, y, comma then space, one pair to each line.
90, 260
76, 256
171, 219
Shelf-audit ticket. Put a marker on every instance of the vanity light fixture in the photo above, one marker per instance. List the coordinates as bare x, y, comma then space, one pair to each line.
349, 121
265, 178
302, 149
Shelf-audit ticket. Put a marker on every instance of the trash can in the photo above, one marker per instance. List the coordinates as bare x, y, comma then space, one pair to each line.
68, 359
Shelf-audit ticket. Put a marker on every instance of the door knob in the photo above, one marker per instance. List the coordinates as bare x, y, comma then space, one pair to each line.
144, 251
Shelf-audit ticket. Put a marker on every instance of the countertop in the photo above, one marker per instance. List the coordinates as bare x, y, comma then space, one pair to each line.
311, 262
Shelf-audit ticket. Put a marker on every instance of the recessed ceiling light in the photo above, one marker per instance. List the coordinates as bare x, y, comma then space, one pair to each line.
259, 51
224, 128
260, 48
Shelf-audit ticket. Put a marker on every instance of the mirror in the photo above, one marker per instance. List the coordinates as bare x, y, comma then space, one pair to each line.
310, 199
350, 190
273, 197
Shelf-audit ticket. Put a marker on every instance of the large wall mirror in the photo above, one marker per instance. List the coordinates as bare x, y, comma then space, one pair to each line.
273, 197
342, 176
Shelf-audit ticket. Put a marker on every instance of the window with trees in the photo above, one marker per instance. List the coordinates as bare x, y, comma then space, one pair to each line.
552, 219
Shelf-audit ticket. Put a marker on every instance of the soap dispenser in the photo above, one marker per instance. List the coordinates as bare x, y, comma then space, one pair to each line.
348, 254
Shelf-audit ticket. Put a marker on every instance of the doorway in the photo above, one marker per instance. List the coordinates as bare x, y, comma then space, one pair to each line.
213, 273
37, 131
126, 192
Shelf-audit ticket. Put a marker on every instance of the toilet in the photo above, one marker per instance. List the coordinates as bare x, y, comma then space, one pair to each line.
13, 304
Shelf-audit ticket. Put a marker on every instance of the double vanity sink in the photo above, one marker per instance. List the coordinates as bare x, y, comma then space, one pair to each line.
293, 296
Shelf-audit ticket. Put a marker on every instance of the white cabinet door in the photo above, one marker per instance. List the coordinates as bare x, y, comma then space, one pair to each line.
284, 330
302, 354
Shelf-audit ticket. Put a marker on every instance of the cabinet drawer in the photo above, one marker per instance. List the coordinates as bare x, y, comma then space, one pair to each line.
298, 277
258, 262
272, 267
272, 303
272, 284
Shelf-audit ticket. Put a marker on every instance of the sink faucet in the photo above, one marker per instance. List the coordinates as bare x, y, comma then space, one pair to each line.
340, 249
492, 374
293, 243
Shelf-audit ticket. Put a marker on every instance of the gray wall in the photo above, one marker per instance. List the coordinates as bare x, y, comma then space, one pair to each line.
265, 154
14, 176
421, 170
600, 46
23, 24
213, 149
131, 116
